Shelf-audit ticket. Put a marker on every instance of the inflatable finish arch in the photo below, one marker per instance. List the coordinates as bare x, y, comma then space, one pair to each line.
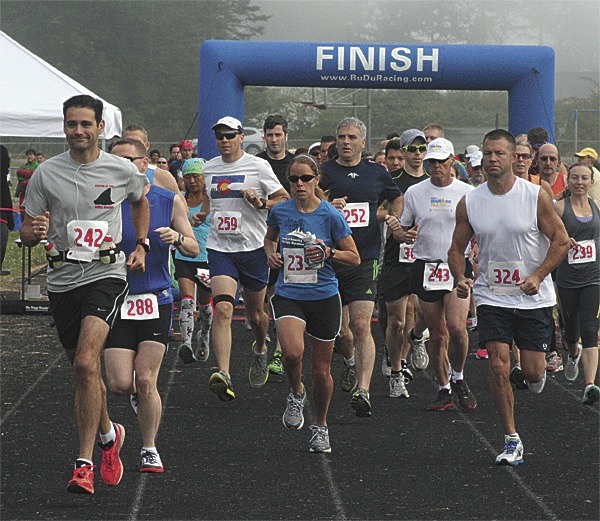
226, 67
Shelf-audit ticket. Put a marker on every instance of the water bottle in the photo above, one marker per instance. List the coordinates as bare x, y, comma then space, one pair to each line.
310, 241
54, 257
108, 251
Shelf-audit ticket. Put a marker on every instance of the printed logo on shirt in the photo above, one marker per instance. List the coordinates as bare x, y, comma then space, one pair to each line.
353, 175
226, 186
104, 200
441, 203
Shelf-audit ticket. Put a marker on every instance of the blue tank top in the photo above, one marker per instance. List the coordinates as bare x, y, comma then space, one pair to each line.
201, 233
150, 174
156, 278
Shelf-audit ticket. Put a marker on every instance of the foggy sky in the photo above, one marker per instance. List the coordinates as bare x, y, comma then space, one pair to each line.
571, 27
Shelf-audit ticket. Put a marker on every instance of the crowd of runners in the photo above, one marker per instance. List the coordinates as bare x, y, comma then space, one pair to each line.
503, 238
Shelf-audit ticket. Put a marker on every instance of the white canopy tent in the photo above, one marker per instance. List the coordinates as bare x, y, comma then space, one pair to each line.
33, 108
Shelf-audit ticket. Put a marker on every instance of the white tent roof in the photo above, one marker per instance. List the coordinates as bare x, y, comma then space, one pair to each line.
33, 107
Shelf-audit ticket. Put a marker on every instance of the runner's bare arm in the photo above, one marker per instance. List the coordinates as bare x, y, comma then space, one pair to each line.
463, 232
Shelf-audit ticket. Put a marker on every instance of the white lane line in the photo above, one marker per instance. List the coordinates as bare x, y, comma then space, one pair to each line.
548, 512
139, 493
333, 489
30, 389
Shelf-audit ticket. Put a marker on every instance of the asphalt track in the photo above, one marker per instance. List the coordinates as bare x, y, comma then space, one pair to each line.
236, 460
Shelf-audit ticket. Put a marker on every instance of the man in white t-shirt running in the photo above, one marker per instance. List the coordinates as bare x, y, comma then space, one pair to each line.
431, 206
521, 240
241, 187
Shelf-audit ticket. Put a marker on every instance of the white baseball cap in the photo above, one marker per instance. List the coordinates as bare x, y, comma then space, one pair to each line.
471, 149
475, 158
439, 148
230, 122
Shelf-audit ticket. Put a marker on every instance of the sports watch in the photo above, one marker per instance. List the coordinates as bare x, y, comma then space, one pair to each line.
144, 242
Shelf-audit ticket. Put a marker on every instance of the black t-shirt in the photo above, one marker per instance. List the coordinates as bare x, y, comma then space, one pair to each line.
367, 182
279, 166
404, 181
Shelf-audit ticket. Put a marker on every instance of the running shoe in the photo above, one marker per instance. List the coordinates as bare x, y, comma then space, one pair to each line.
133, 401
512, 453
537, 387
259, 372
151, 462
517, 378
292, 416
186, 353
554, 362
361, 403
482, 354
591, 394
319, 440
419, 358
348, 381
572, 367
406, 372
276, 365
386, 365
466, 398
82, 481
111, 467
443, 401
220, 384
398, 386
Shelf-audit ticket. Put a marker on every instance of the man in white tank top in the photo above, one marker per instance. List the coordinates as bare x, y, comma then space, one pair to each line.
521, 240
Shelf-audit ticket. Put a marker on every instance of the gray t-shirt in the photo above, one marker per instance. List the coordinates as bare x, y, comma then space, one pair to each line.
84, 201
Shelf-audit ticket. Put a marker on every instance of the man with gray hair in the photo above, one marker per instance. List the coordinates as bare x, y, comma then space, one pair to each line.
356, 187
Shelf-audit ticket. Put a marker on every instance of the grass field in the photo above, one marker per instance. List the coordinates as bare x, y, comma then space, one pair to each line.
12, 261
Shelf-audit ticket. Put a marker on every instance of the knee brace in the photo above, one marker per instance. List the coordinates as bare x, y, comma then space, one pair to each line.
224, 298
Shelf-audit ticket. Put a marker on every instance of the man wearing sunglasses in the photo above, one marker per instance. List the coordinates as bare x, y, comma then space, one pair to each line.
392, 287
428, 220
548, 166
356, 187
157, 174
242, 188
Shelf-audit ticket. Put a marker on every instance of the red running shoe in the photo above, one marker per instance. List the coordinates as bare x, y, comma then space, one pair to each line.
443, 402
111, 468
82, 481
482, 354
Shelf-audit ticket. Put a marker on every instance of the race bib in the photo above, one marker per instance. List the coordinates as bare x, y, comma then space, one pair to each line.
228, 223
407, 254
140, 307
356, 214
85, 238
203, 278
584, 252
295, 268
503, 277
437, 277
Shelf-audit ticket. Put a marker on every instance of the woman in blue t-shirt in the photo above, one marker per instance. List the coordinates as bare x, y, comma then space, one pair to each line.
306, 295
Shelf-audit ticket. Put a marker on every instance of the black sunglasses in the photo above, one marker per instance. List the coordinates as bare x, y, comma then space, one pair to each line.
436, 161
304, 178
132, 159
229, 135
413, 148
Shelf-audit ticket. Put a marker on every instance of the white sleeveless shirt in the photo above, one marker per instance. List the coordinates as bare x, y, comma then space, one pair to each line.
511, 246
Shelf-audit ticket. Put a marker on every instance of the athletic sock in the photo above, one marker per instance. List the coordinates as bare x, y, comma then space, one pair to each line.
111, 435
150, 449
457, 376
446, 387
186, 318
82, 461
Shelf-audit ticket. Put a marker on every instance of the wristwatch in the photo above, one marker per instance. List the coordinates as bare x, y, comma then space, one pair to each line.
332, 252
144, 242
263, 203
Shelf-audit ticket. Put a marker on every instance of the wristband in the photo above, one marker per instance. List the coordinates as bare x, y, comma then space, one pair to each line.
179, 241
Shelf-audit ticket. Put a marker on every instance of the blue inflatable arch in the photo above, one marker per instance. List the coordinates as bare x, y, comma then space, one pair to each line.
226, 67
